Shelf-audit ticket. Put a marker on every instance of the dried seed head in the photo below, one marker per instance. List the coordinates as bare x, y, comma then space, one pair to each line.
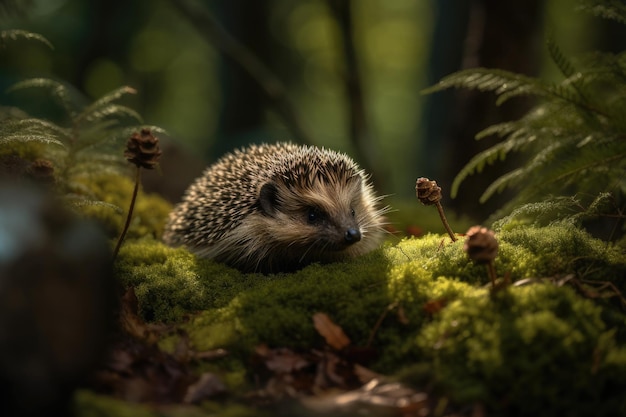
427, 191
142, 149
481, 244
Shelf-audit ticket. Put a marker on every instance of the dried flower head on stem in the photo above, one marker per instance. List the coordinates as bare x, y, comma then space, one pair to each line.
142, 149
429, 193
481, 247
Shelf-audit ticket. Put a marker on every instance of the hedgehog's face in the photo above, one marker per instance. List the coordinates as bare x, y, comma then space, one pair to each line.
321, 217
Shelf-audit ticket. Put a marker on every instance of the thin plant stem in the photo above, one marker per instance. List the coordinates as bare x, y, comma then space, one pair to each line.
130, 213
390, 307
445, 221
491, 270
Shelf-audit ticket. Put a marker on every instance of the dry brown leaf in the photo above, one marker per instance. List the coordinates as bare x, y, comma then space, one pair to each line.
209, 385
434, 306
333, 334
130, 321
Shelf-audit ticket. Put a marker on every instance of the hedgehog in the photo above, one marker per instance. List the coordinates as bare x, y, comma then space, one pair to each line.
277, 208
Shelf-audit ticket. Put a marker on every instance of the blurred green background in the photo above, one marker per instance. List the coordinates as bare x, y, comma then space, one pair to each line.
352, 71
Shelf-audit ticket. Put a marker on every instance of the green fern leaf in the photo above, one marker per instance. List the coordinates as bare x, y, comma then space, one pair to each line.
96, 133
59, 91
580, 161
503, 182
11, 139
485, 79
501, 130
607, 9
104, 101
505, 85
41, 126
479, 161
7, 36
115, 111
545, 211
563, 64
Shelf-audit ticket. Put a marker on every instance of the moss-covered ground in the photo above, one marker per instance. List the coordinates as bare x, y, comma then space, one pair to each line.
553, 342
539, 348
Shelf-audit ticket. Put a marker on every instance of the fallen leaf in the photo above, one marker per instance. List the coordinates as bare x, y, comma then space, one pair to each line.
284, 361
434, 306
208, 386
333, 334
377, 397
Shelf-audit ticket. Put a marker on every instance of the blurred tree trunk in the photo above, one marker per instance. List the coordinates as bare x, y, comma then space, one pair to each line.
494, 34
243, 107
359, 132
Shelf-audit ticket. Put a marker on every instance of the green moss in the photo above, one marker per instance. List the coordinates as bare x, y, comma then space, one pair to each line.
88, 404
149, 214
526, 351
171, 283
526, 345
561, 249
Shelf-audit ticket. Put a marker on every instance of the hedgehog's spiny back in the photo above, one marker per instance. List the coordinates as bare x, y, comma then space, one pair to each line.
209, 220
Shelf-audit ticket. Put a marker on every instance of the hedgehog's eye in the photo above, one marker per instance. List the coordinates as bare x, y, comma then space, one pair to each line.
314, 215
352, 212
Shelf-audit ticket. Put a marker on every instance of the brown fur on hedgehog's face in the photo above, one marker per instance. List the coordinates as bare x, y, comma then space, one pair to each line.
321, 220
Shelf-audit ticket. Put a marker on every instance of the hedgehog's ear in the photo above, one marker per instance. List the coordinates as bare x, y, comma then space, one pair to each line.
268, 198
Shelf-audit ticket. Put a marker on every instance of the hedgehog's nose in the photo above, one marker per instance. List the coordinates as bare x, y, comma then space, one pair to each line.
352, 235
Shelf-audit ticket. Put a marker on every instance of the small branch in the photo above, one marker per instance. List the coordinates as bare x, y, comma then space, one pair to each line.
379, 322
491, 271
272, 87
130, 213
445, 221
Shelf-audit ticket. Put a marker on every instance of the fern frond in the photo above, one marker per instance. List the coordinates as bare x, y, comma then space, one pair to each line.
59, 91
488, 157
36, 126
542, 212
563, 64
504, 181
531, 168
607, 9
7, 36
560, 209
576, 162
112, 111
501, 130
23, 138
105, 101
485, 79
506, 85
95, 134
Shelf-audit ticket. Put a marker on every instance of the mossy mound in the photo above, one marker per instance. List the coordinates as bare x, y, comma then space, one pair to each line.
149, 214
539, 348
533, 350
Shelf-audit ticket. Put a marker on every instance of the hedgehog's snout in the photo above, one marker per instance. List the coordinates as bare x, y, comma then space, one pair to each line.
352, 235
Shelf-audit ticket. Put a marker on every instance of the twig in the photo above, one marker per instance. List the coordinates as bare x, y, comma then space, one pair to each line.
445, 221
379, 322
130, 213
